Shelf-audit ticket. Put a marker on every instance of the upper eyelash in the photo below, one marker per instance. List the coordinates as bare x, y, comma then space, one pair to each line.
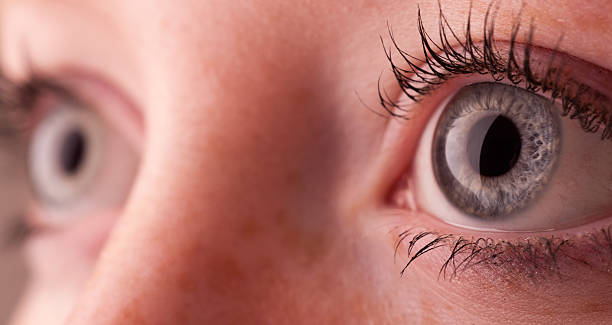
12, 99
12, 126
16, 100
443, 61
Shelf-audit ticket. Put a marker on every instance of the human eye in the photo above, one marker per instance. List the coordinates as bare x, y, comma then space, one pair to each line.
511, 173
74, 153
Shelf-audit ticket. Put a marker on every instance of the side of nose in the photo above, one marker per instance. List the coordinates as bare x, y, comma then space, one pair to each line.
230, 208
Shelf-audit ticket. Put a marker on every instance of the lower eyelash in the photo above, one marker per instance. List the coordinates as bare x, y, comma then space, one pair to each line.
16, 231
536, 259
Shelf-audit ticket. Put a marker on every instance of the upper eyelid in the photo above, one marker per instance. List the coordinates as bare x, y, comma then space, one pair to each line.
580, 97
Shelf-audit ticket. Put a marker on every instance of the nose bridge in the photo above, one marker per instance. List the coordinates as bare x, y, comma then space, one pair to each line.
210, 227
217, 220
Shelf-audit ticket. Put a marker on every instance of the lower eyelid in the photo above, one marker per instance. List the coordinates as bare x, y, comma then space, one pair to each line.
456, 254
533, 279
76, 247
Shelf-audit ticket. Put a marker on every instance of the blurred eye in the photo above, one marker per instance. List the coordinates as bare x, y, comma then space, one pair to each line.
79, 164
500, 157
65, 154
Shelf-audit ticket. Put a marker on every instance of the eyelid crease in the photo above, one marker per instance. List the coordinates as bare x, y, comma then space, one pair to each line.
558, 77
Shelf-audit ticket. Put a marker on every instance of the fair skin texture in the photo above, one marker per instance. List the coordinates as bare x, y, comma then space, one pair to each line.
264, 178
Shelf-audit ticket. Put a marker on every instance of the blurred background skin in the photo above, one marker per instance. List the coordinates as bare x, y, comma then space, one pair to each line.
263, 179
13, 268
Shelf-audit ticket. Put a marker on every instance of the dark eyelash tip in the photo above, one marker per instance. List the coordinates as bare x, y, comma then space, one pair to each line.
443, 60
535, 258
15, 233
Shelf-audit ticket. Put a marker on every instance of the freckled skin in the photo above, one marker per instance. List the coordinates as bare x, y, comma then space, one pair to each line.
262, 193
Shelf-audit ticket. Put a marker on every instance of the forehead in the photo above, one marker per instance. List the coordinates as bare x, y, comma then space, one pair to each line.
588, 15
308, 25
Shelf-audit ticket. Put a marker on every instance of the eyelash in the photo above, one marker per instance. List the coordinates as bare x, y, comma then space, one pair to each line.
535, 258
12, 128
578, 101
16, 101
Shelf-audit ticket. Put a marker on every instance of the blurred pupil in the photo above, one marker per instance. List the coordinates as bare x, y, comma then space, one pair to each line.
73, 151
494, 145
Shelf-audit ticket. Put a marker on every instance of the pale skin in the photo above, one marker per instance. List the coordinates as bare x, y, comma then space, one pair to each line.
262, 195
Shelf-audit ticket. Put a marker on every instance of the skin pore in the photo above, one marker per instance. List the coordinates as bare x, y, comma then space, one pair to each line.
262, 194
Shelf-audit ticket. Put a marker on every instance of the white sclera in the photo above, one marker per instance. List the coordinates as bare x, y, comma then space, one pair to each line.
104, 175
50, 181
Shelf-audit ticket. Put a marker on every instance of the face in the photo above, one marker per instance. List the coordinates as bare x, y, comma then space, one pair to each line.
196, 162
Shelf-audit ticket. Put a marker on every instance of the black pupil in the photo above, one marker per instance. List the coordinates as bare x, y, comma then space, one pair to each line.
73, 152
494, 145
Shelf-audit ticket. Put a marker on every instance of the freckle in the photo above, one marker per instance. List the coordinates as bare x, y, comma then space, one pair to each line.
250, 228
186, 284
593, 307
281, 218
130, 314
315, 249
309, 246
294, 178
225, 274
